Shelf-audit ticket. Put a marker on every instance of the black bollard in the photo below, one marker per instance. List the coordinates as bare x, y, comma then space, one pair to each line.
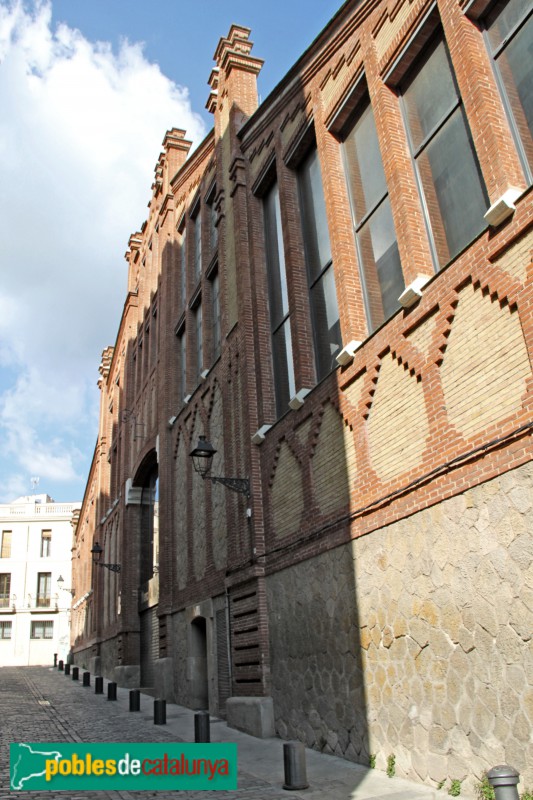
75, 673
135, 700
67, 669
504, 781
202, 732
111, 691
160, 712
294, 765
55, 659
86, 678
60, 666
99, 685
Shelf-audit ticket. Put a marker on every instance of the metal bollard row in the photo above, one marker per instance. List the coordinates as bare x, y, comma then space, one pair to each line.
503, 779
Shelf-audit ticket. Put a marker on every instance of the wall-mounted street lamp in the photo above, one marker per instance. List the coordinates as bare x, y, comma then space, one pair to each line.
202, 459
60, 581
96, 553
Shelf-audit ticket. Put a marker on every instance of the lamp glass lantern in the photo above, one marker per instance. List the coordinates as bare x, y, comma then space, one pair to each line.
202, 456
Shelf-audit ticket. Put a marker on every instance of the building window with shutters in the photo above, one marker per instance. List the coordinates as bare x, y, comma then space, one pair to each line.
42, 629
44, 586
46, 544
5, 549
5, 630
5, 589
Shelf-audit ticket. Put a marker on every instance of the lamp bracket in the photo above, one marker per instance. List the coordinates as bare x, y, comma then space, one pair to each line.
112, 567
240, 485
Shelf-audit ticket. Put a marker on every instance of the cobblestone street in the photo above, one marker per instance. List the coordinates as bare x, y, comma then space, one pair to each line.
41, 704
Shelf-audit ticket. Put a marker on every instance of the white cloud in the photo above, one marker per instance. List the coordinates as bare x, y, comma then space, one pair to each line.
80, 133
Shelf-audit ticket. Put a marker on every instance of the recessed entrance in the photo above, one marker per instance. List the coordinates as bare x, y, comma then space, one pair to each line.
198, 664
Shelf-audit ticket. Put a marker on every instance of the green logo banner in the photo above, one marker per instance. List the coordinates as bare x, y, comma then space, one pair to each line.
62, 766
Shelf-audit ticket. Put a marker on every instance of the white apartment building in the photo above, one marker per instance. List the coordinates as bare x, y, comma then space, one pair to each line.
35, 579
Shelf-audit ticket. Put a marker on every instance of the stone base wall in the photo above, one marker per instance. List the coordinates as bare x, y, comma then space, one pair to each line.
82, 658
416, 640
317, 679
179, 657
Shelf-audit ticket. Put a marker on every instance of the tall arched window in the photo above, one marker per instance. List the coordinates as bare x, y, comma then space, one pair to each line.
150, 527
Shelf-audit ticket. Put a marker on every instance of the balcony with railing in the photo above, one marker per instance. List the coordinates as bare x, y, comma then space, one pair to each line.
7, 603
37, 509
42, 602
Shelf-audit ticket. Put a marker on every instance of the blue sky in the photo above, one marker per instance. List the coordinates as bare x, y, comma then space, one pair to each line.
87, 90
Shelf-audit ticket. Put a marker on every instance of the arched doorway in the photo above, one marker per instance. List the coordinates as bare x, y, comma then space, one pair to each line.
147, 480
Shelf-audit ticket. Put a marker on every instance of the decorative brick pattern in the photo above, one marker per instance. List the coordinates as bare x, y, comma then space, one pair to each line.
287, 493
397, 422
421, 335
485, 348
517, 259
333, 462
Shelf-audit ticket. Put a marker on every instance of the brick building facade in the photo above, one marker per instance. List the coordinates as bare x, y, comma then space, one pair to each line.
335, 290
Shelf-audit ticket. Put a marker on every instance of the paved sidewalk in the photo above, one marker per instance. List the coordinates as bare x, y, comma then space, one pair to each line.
42, 704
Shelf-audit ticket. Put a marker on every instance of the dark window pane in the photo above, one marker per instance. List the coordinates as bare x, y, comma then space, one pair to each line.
183, 365
323, 296
366, 177
504, 17
382, 271
452, 186
325, 314
431, 94
213, 230
199, 342
278, 302
316, 233
277, 280
379, 259
515, 64
215, 311
183, 268
283, 372
198, 246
